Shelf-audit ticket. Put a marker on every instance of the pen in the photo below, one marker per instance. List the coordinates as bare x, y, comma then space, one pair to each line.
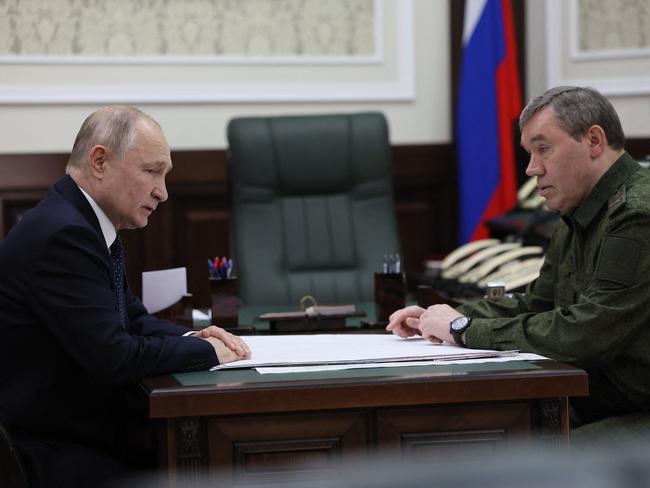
392, 263
220, 268
221, 272
211, 270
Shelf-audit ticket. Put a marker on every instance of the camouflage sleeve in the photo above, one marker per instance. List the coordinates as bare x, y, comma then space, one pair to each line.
606, 315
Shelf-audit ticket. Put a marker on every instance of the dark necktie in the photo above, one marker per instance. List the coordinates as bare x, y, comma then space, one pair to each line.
117, 256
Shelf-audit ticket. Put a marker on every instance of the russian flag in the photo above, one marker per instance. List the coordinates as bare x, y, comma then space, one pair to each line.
489, 103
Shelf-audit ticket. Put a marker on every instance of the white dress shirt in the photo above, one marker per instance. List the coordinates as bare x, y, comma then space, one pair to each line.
108, 229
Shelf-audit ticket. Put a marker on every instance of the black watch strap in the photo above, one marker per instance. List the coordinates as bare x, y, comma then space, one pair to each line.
458, 327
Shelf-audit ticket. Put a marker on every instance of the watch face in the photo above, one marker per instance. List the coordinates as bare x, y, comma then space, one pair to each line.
459, 323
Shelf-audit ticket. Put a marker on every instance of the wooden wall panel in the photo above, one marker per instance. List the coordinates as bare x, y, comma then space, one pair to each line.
207, 236
194, 223
638, 148
426, 201
24, 180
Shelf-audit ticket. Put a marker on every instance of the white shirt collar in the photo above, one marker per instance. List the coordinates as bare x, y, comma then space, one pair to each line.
108, 229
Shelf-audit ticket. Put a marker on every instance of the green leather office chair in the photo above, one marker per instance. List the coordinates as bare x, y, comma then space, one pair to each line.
312, 207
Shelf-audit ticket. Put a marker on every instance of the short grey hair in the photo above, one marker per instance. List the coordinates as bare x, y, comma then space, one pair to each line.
113, 127
577, 109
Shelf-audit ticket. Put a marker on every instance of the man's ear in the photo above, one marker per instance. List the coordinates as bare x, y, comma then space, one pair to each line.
98, 158
597, 140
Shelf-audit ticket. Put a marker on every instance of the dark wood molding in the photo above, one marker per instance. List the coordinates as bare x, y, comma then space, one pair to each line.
638, 148
195, 223
426, 200
22, 172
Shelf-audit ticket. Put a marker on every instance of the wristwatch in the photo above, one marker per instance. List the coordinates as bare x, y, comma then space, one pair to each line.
457, 328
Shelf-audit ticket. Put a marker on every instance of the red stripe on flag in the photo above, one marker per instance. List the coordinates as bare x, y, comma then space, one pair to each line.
509, 106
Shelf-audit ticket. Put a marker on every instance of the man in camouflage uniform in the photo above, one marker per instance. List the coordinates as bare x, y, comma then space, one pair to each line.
589, 306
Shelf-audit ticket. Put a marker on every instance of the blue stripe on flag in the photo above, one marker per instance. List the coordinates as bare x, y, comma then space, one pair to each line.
476, 121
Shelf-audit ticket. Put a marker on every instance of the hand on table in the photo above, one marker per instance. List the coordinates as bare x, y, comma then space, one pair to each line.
404, 322
434, 323
228, 347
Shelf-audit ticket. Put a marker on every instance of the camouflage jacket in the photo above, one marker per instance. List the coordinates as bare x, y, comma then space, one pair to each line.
590, 306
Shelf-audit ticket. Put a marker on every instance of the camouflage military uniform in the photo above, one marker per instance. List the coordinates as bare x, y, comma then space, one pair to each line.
590, 305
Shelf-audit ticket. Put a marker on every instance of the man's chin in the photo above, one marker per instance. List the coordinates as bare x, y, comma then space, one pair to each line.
134, 225
557, 207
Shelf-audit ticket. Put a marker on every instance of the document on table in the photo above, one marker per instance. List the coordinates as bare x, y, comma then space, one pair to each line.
338, 367
350, 349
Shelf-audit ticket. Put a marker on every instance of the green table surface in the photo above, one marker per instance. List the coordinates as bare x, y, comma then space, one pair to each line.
239, 376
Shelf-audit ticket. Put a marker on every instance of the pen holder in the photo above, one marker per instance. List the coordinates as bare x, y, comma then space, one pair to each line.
225, 301
389, 294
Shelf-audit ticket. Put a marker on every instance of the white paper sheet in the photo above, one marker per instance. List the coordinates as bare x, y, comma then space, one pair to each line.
163, 288
318, 349
201, 318
337, 367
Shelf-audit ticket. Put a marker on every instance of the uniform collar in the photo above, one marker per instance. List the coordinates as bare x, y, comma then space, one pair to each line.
615, 176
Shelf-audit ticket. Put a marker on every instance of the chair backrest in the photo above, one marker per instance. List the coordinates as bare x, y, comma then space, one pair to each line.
12, 471
312, 206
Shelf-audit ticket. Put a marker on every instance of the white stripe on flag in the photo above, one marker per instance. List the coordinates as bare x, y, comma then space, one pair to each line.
473, 11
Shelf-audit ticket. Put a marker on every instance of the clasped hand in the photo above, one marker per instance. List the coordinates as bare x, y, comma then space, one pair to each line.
431, 323
228, 347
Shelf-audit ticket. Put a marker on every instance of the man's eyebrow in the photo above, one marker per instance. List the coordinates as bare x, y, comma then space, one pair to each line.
537, 138
156, 164
533, 140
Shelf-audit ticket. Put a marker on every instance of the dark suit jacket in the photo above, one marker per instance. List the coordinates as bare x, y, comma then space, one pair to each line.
63, 352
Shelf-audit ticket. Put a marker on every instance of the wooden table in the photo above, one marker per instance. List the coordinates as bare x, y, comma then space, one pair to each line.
262, 428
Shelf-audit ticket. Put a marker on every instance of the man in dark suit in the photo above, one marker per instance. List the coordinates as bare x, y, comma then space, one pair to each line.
72, 335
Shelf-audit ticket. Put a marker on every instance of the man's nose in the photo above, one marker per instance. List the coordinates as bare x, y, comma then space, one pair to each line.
533, 168
160, 191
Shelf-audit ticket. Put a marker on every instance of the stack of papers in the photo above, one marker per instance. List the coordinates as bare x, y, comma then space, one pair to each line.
322, 351
331, 310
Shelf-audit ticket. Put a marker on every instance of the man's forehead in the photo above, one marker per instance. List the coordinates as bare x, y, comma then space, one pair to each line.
535, 127
150, 133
